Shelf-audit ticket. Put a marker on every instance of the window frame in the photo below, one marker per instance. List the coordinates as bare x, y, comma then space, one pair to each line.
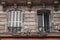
20, 21
43, 19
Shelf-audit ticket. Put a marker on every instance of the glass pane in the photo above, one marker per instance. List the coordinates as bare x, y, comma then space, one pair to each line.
40, 22
46, 22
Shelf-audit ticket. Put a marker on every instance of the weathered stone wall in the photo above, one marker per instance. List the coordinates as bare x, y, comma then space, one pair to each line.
56, 21
29, 19
3, 20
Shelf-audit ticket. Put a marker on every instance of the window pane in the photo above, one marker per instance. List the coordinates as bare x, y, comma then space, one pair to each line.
40, 22
46, 22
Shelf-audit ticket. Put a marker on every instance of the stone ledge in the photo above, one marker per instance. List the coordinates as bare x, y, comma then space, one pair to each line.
22, 34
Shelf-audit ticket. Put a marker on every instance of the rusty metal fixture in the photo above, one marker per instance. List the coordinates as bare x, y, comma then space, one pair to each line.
15, 6
56, 1
29, 4
56, 5
4, 4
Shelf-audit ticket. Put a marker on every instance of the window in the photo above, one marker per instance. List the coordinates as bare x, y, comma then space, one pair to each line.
14, 21
43, 20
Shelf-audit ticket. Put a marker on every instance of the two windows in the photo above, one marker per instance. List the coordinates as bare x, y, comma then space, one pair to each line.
14, 21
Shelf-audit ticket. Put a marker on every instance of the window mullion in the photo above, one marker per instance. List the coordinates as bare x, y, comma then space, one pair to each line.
18, 18
43, 21
50, 23
12, 19
15, 19
12, 13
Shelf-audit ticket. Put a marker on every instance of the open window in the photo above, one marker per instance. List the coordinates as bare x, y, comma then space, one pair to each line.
44, 20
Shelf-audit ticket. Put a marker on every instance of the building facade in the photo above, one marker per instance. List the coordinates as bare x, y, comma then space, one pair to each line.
29, 18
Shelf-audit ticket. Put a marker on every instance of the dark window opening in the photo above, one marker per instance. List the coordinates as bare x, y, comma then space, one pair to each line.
43, 20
